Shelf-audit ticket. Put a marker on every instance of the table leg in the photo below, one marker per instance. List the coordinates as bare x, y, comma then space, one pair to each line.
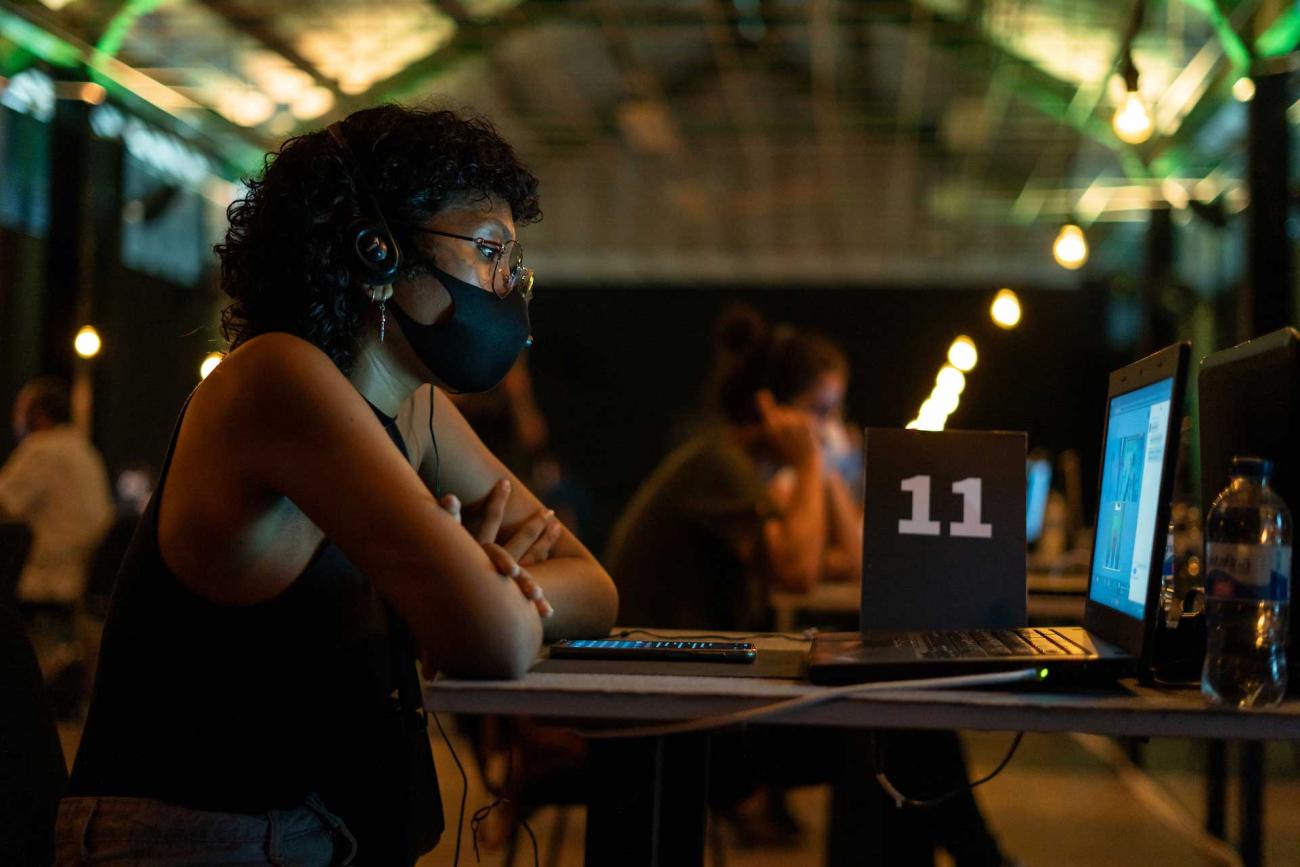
1251, 780
1216, 788
632, 824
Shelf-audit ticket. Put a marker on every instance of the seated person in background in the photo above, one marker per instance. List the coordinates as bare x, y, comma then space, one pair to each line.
56, 483
747, 506
257, 697
753, 505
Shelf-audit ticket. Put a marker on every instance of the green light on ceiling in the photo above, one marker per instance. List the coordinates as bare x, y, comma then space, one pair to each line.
1233, 46
46, 46
120, 25
1282, 36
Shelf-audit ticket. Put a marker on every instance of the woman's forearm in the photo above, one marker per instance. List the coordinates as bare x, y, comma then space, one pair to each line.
844, 526
797, 542
582, 594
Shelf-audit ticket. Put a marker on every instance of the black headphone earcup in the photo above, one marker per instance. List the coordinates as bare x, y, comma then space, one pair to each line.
377, 257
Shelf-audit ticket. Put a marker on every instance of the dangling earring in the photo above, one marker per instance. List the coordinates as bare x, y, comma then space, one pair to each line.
381, 294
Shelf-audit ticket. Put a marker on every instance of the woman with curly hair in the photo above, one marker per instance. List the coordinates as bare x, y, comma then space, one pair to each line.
257, 699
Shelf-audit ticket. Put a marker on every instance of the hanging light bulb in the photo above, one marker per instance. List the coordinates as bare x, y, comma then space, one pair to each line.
87, 342
210, 364
1071, 247
1133, 121
1005, 309
962, 354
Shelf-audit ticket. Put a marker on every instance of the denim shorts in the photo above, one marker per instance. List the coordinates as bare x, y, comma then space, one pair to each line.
131, 831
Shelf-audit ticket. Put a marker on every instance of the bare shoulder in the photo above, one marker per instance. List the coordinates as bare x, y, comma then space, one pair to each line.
271, 376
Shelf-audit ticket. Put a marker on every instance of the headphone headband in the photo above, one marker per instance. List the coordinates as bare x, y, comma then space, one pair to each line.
378, 257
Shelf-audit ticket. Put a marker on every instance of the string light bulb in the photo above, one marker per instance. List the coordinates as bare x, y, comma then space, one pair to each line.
1132, 121
1071, 247
962, 354
87, 342
209, 364
1005, 309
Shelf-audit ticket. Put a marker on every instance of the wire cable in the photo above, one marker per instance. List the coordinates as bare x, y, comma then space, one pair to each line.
820, 697
482, 812
437, 458
464, 779
901, 800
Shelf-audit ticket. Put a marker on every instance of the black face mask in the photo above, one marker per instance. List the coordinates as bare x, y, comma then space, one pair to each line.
475, 347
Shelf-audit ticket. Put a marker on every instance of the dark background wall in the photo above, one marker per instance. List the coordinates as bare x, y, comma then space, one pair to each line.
614, 368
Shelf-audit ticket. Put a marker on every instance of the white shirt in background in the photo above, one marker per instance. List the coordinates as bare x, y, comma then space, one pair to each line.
56, 483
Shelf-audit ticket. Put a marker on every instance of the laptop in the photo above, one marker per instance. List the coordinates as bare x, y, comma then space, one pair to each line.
1139, 447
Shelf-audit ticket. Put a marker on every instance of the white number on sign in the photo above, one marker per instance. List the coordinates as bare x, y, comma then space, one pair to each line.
969, 526
919, 524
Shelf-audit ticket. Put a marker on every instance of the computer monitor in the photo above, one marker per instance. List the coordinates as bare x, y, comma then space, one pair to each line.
1038, 485
1249, 399
1133, 466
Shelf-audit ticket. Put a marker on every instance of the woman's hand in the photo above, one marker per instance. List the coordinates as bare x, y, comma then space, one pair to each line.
792, 432
531, 542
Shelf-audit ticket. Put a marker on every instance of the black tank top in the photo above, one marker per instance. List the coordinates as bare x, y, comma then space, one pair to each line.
249, 708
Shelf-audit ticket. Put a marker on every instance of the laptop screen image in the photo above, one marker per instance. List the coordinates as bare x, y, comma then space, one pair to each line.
1134, 456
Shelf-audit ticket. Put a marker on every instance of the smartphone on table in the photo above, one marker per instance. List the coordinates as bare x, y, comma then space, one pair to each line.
680, 650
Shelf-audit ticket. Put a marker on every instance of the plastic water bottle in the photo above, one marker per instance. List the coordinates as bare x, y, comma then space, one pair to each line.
1248, 587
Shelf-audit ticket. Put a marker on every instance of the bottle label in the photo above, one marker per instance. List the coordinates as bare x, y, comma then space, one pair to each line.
1260, 572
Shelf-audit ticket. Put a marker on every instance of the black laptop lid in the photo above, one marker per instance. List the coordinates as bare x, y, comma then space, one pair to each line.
1139, 446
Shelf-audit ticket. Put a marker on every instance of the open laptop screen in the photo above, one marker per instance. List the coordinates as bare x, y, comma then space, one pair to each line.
1136, 434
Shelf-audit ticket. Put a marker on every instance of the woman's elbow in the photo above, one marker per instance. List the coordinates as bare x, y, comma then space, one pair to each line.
506, 655
605, 608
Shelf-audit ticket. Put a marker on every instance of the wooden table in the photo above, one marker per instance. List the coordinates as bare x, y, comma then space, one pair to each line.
651, 811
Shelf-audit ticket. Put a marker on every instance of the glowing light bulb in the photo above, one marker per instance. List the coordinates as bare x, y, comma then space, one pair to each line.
1071, 247
209, 364
950, 380
87, 342
945, 402
1006, 309
1132, 120
962, 354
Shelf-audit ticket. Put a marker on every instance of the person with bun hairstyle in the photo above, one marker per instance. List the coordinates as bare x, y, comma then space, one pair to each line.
324, 515
748, 504
756, 502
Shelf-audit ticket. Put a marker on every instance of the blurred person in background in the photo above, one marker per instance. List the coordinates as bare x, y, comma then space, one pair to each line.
761, 502
55, 483
748, 505
257, 699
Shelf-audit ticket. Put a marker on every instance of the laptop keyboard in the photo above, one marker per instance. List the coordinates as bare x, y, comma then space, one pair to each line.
995, 642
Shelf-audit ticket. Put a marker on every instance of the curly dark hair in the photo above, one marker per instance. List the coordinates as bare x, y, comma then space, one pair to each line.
285, 259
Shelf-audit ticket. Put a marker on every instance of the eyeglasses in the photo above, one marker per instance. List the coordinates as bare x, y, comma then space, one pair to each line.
508, 271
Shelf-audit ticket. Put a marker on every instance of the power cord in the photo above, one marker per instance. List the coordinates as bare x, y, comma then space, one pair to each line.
481, 814
901, 800
464, 785
820, 697
805, 635
437, 458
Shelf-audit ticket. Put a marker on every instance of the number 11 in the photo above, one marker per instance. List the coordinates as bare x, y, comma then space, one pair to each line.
919, 524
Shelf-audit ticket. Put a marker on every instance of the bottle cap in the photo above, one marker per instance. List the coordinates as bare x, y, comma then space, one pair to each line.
1260, 468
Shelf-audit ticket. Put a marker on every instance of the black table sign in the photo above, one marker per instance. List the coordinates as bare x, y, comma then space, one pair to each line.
944, 546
